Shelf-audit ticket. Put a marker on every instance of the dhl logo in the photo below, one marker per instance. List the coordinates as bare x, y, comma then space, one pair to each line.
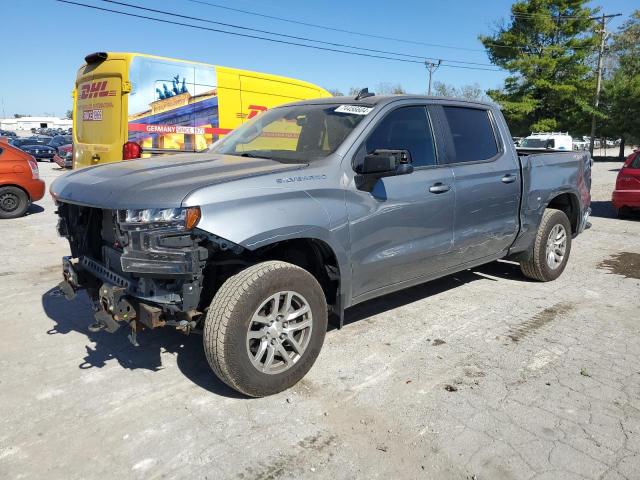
253, 111
95, 90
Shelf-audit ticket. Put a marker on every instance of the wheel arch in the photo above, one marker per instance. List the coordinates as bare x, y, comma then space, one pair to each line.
312, 253
2, 185
569, 203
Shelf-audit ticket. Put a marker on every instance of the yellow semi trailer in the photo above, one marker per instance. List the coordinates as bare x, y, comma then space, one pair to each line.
133, 105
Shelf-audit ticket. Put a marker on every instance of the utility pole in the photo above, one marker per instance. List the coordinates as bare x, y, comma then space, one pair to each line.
596, 102
431, 67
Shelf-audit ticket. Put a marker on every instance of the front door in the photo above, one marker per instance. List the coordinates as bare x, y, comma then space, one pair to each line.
403, 228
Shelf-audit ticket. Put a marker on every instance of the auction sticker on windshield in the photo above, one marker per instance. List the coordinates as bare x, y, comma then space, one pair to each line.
354, 109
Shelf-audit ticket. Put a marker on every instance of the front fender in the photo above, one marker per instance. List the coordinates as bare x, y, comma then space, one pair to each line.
256, 217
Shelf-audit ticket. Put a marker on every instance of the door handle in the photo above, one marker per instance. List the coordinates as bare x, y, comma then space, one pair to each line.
439, 188
508, 178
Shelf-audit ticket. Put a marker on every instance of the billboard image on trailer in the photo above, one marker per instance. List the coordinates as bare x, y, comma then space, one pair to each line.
173, 106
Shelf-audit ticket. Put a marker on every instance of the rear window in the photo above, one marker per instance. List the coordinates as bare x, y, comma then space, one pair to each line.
472, 134
635, 163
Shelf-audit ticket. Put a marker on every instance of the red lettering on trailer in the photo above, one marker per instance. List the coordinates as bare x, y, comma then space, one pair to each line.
95, 89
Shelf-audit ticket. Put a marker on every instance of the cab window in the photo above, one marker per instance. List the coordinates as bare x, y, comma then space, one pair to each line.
472, 134
406, 128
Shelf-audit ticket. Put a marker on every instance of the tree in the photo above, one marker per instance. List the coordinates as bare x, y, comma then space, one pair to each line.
467, 92
546, 47
382, 88
335, 92
386, 88
69, 115
621, 93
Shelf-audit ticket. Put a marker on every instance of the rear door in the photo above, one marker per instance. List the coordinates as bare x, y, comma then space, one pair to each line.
98, 129
487, 183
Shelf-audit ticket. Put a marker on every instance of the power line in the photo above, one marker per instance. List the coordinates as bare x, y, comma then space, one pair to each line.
242, 27
550, 16
353, 32
333, 29
257, 37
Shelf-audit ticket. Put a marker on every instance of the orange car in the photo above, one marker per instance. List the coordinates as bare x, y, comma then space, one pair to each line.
20, 182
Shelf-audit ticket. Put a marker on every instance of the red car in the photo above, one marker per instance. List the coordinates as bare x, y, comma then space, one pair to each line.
64, 157
626, 196
20, 182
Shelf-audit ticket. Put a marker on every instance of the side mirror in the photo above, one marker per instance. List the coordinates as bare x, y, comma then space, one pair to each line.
382, 163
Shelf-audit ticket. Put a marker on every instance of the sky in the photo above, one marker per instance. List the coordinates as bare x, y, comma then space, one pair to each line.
44, 42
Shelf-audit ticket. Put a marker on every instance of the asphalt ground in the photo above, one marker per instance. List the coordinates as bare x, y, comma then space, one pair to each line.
482, 375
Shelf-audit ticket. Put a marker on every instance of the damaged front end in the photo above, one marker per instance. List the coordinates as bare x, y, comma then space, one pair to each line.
143, 267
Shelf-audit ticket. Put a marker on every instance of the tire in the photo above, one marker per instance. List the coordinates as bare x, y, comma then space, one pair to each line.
538, 267
14, 202
252, 294
623, 213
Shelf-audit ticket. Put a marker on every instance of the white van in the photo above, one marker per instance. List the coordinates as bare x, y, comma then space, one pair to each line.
548, 140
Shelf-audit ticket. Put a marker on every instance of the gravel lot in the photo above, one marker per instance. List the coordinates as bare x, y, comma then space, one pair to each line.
480, 375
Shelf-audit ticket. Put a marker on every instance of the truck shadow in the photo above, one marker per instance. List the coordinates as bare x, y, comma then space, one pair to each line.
602, 209
500, 269
77, 315
605, 209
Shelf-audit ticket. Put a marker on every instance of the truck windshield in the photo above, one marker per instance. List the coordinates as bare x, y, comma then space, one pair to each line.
299, 134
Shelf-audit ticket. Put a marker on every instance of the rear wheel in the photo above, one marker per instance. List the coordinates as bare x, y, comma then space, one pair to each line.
265, 328
14, 202
551, 247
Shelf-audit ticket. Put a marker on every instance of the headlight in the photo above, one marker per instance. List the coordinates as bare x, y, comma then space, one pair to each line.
183, 218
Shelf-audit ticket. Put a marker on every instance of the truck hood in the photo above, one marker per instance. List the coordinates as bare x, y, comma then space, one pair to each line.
159, 182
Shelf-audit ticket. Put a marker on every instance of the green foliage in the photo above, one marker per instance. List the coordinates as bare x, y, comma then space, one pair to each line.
621, 95
383, 88
69, 115
467, 92
386, 88
546, 47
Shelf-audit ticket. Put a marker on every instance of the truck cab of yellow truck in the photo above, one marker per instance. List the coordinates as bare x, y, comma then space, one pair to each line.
132, 105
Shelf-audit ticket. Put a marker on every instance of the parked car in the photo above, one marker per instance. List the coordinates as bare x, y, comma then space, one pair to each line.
34, 140
626, 196
64, 157
60, 140
7, 133
548, 140
580, 145
20, 183
40, 152
311, 208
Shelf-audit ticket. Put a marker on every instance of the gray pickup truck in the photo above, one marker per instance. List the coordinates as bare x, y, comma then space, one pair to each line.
304, 211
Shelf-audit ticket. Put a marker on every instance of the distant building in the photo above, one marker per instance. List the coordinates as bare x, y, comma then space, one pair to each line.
27, 123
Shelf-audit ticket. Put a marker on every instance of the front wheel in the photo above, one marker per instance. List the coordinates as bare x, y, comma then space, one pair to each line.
551, 247
265, 328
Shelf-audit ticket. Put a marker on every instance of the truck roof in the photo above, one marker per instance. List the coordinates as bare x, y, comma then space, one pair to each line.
374, 100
